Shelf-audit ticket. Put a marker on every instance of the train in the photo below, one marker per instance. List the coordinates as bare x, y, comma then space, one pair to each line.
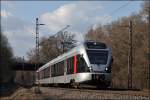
88, 63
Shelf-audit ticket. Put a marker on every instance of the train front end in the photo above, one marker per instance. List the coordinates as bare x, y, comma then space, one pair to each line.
100, 61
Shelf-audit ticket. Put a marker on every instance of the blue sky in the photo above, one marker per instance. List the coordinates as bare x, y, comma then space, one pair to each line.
18, 18
31, 9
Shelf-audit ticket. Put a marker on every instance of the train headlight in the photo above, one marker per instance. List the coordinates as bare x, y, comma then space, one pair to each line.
106, 69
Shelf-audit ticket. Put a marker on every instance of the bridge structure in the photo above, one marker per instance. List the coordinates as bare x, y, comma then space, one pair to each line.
25, 73
19, 66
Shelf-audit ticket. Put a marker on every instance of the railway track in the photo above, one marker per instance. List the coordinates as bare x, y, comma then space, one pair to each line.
105, 91
58, 93
107, 94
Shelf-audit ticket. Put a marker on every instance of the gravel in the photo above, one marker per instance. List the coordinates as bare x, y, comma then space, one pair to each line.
53, 93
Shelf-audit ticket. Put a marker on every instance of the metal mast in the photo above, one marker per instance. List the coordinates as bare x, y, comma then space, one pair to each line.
130, 56
37, 50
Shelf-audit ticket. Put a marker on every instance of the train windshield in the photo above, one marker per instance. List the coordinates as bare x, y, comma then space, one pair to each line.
97, 56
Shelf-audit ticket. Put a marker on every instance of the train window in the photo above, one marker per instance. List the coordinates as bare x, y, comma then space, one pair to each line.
47, 72
50, 71
53, 71
57, 69
81, 65
97, 56
61, 68
70, 65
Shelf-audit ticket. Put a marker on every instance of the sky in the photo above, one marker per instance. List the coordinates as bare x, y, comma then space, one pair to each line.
18, 18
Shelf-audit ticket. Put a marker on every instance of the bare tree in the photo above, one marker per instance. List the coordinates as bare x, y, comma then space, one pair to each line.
53, 46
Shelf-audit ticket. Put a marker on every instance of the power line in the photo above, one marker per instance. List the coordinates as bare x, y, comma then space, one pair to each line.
116, 10
120, 7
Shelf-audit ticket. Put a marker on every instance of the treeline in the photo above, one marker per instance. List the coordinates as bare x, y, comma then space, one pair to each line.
53, 46
116, 35
6, 60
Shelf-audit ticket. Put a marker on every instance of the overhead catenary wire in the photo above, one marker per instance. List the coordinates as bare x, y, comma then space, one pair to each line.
116, 10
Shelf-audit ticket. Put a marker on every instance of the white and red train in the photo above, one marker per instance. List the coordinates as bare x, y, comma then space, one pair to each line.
87, 63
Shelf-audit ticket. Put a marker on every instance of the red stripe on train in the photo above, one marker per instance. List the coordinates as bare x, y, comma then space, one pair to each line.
75, 64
